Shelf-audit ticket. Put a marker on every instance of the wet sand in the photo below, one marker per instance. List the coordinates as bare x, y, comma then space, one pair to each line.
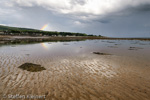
82, 77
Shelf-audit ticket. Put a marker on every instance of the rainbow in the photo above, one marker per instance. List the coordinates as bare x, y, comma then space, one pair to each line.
44, 27
44, 45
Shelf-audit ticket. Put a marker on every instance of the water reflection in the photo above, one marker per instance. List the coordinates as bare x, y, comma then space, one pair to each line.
45, 45
58, 49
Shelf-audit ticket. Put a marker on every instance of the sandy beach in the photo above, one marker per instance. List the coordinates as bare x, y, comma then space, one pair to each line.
74, 49
85, 76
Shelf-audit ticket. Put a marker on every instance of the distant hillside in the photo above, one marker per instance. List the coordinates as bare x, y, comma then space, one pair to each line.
6, 30
3, 28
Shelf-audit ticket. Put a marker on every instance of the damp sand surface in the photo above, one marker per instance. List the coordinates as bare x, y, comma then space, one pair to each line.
74, 72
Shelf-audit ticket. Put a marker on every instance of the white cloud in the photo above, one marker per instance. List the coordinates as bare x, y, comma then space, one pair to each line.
95, 7
81, 10
89, 16
77, 22
80, 24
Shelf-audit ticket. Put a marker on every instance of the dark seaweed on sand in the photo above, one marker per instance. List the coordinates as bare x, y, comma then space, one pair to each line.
134, 48
99, 53
31, 67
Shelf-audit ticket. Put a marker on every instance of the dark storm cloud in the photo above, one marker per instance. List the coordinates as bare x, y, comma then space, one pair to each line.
141, 8
103, 20
144, 8
105, 17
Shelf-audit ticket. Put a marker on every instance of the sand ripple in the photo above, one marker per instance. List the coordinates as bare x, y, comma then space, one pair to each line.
78, 78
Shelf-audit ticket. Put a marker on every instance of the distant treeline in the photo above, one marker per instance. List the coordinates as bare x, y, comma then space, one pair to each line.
6, 30
41, 33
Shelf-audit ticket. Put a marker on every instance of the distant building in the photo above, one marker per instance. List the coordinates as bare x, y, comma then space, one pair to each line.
1, 33
59, 35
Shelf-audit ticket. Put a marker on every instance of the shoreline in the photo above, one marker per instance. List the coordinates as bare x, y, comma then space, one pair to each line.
7, 39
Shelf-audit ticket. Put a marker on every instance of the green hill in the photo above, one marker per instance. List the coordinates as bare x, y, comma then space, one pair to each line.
4, 28
7, 30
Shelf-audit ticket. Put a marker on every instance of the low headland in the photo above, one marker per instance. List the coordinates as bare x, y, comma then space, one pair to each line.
14, 35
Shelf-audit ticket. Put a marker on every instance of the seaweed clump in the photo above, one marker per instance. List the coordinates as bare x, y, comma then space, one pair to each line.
99, 53
134, 48
31, 67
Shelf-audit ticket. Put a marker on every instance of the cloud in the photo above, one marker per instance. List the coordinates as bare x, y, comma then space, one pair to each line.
77, 22
80, 2
104, 21
108, 17
95, 7
80, 24
88, 10
139, 9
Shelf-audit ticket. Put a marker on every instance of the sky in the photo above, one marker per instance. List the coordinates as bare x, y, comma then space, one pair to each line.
113, 18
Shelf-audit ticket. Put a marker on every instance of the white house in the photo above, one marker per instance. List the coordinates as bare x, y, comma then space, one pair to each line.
1, 33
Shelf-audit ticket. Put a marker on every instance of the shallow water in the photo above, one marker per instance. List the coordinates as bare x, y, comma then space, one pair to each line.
77, 47
65, 49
